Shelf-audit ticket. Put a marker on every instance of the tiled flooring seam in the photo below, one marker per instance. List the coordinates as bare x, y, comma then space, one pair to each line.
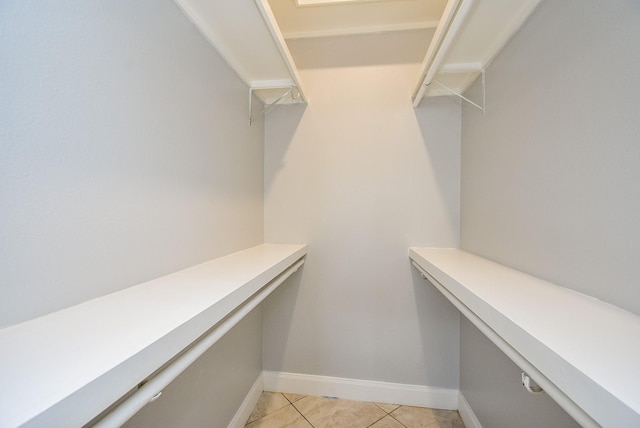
275, 410
294, 406
388, 414
385, 415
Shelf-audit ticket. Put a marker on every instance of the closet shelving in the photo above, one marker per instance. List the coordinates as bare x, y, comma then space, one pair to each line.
65, 368
245, 34
581, 351
467, 37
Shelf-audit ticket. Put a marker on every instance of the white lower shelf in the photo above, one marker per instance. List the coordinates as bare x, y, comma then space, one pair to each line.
65, 368
584, 352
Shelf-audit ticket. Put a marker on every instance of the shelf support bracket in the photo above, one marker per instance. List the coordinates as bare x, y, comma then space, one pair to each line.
269, 107
463, 97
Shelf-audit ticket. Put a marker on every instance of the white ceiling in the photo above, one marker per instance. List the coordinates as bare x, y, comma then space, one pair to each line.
357, 33
267, 41
397, 47
344, 18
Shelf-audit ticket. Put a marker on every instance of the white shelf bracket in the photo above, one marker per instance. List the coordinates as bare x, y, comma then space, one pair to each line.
480, 107
268, 107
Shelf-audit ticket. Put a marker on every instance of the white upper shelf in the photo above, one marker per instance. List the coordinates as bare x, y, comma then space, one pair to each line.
247, 35
487, 28
237, 30
243, 32
587, 348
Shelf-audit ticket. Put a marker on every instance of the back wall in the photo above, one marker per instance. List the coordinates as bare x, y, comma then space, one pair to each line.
360, 176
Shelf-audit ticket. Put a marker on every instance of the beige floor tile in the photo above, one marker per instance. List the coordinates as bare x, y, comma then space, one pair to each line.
286, 417
458, 423
293, 397
334, 413
268, 403
419, 417
387, 407
387, 422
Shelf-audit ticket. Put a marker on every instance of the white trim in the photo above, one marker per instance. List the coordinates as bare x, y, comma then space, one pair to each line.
361, 390
248, 404
466, 413
354, 31
305, 3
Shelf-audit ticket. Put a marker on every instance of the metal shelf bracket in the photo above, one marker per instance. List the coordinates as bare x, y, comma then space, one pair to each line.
480, 107
290, 91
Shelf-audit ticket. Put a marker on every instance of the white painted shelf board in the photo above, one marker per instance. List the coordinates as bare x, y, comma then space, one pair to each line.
488, 28
589, 349
72, 364
247, 37
237, 30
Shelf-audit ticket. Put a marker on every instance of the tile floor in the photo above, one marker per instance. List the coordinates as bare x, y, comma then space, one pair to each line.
278, 410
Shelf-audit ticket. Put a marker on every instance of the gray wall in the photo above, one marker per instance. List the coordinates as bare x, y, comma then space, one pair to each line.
491, 384
550, 173
360, 175
209, 392
126, 155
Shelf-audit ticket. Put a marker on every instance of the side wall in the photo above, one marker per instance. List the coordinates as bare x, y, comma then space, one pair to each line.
126, 155
209, 392
550, 173
360, 176
126, 152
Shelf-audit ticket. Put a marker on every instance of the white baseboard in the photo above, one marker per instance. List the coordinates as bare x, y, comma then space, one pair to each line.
361, 390
248, 404
466, 413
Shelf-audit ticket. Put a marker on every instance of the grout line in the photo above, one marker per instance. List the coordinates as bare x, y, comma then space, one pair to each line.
396, 419
273, 411
386, 414
381, 408
292, 404
287, 398
303, 416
